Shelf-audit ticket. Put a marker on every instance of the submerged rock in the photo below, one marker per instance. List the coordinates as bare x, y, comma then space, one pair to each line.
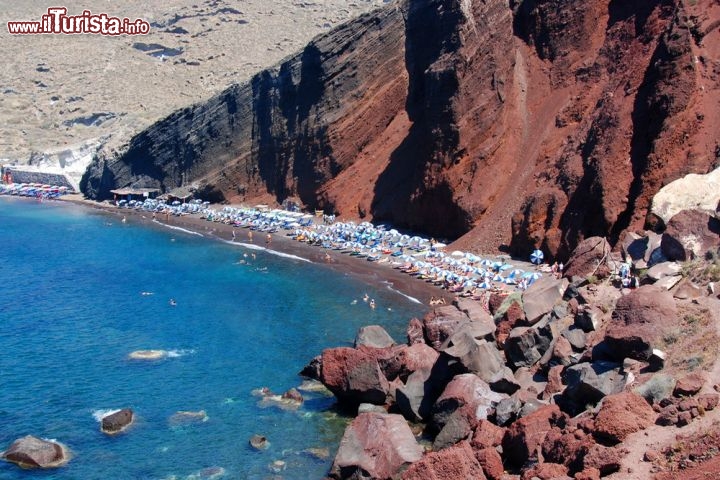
259, 442
33, 452
148, 354
117, 422
184, 417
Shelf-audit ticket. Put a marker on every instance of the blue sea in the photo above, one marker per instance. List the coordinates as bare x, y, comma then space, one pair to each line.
72, 310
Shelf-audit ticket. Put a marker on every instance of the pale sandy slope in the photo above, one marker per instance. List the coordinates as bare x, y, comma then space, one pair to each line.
51, 84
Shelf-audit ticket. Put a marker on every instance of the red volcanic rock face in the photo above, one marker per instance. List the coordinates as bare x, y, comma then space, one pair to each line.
537, 126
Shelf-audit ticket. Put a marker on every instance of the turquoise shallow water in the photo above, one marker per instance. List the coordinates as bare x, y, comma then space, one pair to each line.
71, 311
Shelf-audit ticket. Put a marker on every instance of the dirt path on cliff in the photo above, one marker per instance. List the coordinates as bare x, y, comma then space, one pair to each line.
656, 437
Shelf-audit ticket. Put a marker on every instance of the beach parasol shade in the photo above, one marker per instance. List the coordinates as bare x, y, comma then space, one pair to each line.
537, 257
457, 253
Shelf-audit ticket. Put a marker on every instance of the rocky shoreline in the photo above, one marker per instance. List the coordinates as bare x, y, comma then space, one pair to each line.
551, 383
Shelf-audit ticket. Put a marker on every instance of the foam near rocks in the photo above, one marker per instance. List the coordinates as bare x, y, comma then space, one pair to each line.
148, 354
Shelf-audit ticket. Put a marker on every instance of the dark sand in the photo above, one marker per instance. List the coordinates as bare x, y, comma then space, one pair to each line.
372, 273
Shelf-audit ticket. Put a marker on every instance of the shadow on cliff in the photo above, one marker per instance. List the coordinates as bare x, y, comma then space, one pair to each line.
287, 150
411, 192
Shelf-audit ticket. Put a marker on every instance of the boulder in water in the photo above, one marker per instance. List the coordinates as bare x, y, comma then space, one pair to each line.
117, 422
373, 336
33, 452
293, 396
259, 442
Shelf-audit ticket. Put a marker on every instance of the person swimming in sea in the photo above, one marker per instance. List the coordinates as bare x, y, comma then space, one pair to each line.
366, 297
372, 303
173, 302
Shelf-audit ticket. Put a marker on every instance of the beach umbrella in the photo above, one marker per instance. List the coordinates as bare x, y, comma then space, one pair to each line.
484, 285
537, 257
440, 245
498, 278
486, 262
457, 253
506, 266
516, 272
510, 281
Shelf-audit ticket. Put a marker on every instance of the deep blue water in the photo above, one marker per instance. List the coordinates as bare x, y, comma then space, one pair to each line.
71, 311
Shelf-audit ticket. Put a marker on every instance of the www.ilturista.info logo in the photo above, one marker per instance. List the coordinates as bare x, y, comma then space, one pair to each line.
58, 21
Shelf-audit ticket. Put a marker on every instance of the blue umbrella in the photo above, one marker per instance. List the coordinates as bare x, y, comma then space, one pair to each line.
537, 257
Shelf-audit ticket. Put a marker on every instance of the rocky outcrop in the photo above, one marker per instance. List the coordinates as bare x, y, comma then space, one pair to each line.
639, 321
466, 111
691, 192
590, 257
691, 234
33, 452
375, 445
452, 463
621, 415
354, 376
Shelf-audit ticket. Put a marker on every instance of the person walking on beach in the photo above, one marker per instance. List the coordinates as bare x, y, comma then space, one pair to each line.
233, 234
250, 235
268, 239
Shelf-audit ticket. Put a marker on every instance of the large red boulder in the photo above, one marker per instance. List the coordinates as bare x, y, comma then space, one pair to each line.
375, 445
605, 459
689, 384
354, 375
453, 463
621, 415
491, 463
640, 321
32, 452
468, 391
487, 435
566, 447
442, 322
589, 258
524, 438
406, 360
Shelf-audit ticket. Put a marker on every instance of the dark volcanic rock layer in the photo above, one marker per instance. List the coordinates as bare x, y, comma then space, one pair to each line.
537, 123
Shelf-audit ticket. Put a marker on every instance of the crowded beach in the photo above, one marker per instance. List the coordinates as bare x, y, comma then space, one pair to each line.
454, 273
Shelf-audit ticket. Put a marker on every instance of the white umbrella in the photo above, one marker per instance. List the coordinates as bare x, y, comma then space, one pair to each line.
457, 253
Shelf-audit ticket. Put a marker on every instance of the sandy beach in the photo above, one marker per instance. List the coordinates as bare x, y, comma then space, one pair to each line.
371, 273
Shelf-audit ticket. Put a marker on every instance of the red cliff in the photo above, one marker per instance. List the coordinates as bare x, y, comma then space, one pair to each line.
538, 123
